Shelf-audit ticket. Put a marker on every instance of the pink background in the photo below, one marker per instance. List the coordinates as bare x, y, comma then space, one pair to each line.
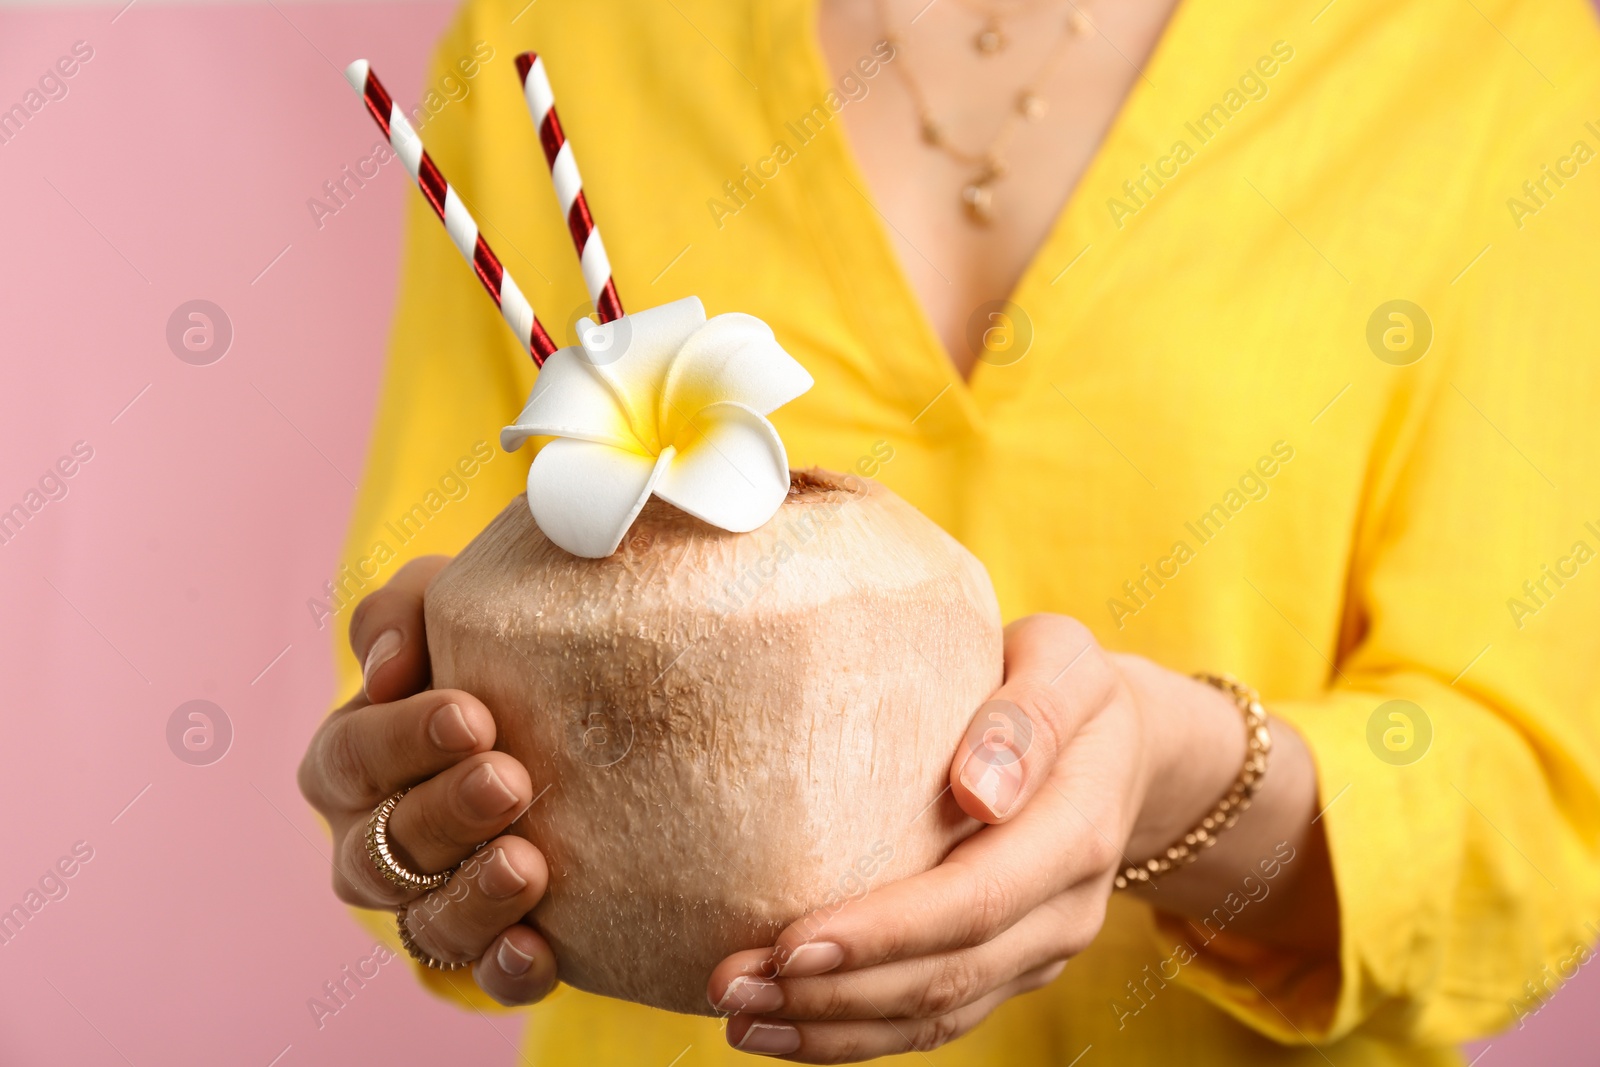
178, 565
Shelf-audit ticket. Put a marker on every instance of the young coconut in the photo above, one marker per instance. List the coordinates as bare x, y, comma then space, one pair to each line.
725, 731
730, 722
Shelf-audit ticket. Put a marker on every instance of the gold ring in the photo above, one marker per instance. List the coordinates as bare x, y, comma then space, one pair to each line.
416, 952
393, 871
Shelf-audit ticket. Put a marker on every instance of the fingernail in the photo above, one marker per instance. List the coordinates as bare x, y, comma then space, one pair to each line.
746, 994
769, 1039
449, 730
497, 878
381, 652
512, 960
486, 794
812, 958
994, 775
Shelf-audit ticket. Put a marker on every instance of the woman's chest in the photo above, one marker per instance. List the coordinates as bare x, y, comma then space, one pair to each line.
973, 142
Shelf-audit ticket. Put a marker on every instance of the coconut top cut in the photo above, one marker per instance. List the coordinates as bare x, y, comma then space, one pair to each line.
821, 545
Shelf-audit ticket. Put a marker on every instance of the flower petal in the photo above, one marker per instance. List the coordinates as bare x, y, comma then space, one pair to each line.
730, 470
585, 495
732, 357
632, 355
569, 400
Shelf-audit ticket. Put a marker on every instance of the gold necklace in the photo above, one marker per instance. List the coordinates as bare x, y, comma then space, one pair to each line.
992, 39
977, 195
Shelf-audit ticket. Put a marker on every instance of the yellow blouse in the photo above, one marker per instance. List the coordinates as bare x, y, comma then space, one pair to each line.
1215, 437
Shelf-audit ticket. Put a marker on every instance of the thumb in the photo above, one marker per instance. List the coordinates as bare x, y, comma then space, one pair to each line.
1055, 677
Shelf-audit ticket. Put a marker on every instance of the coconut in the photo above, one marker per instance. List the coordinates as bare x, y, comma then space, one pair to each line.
725, 732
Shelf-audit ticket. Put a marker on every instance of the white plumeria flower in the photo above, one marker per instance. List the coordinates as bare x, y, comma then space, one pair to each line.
665, 402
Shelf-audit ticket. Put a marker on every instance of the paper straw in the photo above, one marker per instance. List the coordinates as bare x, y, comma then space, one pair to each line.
446, 203
569, 188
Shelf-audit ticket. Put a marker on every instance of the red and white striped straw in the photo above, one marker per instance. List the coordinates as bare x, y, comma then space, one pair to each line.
446, 203
569, 188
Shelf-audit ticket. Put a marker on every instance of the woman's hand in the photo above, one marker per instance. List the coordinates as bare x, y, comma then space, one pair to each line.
1080, 763
397, 734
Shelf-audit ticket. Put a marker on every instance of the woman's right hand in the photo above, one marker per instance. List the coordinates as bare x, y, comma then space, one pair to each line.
398, 733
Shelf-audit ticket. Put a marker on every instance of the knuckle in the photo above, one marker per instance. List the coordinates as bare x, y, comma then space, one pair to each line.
308, 776
1099, 854
1071, 631
347, 892
1082, 931
993, 902
1073, 929
312, 773
356, 882
434, 931
851, 1046
827, 1001
1047, 713
1111, 687
348, 771
432, 822
1078, 940
460, 924
1081, 635
1043, 976
893, 938
934, 1033
953, 985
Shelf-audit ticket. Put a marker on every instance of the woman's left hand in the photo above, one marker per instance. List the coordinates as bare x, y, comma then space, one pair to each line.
1070, 768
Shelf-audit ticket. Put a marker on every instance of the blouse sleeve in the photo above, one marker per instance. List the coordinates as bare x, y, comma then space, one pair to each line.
1457, 745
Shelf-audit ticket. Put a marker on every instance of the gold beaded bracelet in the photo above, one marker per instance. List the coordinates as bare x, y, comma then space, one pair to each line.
1258, 743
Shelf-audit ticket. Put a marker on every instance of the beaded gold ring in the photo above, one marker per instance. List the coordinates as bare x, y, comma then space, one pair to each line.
415, 951
393, 871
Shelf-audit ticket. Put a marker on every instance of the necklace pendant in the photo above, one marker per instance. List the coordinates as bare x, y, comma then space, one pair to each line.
978, 200
990, 39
